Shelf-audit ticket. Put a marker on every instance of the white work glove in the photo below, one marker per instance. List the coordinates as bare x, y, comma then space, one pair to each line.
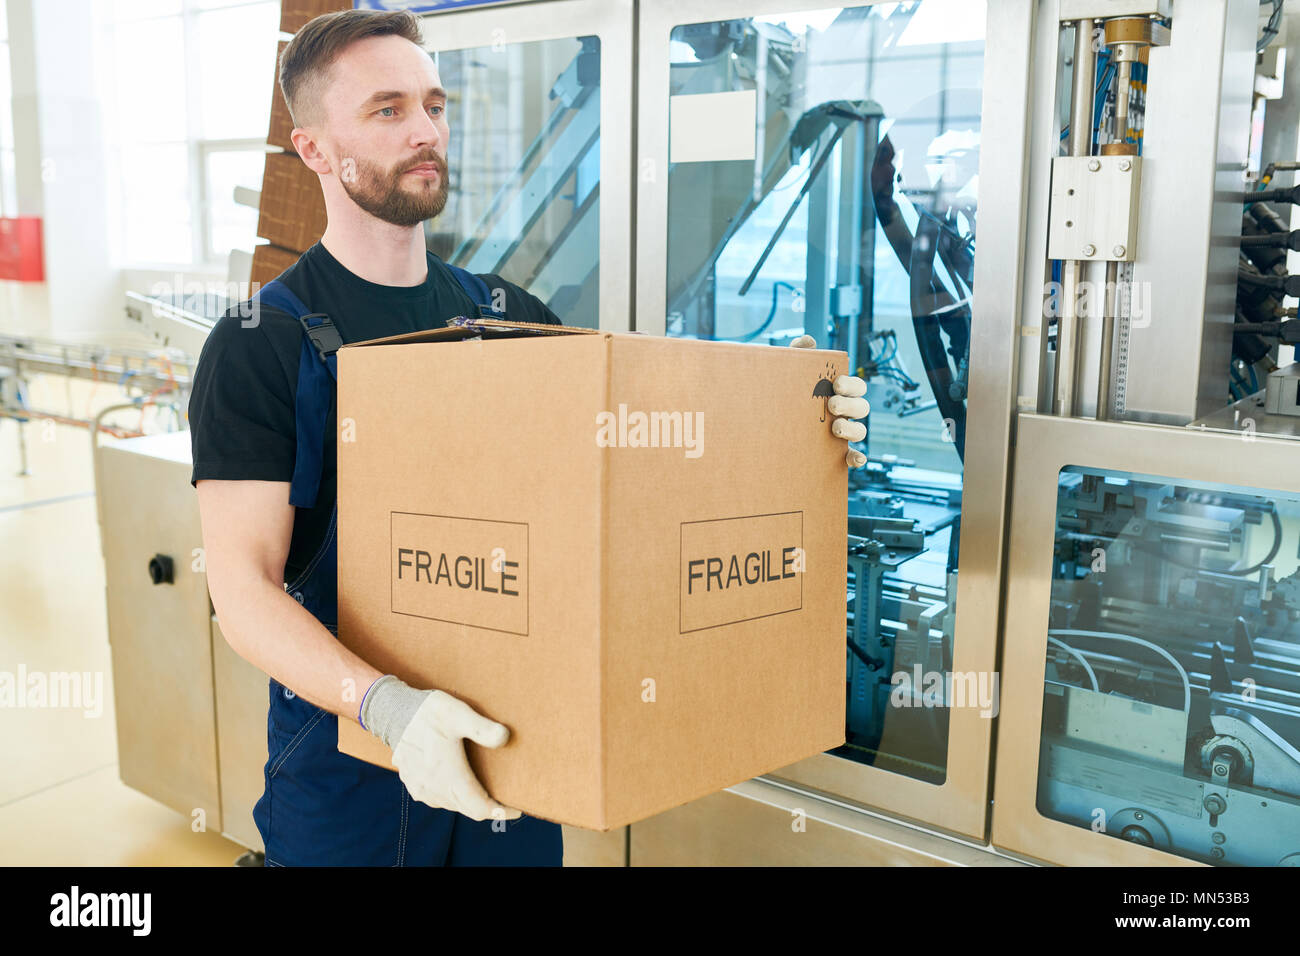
847, 404
427, 730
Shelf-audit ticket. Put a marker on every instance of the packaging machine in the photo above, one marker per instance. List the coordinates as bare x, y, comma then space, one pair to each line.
1091, 458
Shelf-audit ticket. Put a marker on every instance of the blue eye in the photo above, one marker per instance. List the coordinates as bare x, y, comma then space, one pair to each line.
431, 108
386, 111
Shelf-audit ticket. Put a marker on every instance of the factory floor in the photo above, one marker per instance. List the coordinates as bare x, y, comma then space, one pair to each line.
61, 802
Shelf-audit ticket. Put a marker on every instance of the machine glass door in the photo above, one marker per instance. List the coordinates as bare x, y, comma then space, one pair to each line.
824, 171
1168, 648
846, 208
530, 156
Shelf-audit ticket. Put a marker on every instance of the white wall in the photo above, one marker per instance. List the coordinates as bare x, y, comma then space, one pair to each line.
24, 306
61, 176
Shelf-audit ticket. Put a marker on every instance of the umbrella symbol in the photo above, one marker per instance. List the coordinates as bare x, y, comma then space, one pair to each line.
823, 390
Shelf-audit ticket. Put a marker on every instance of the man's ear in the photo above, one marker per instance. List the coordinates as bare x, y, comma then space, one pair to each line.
309, 151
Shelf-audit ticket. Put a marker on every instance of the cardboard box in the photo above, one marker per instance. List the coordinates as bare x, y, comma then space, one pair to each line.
268, 262
291, 213
636, 615
281, 123
294, 14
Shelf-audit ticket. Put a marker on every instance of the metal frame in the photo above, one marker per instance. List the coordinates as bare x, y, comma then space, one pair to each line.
1187, 220
960, 804
613, 22
752, 824
1030, 367
207, 148
1050, 444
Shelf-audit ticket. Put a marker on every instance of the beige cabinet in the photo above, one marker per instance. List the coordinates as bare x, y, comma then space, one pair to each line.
241, 702
594, 848
191, 714
158, 624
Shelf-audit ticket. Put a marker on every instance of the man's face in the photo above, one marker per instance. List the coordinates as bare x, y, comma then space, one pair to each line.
385, 119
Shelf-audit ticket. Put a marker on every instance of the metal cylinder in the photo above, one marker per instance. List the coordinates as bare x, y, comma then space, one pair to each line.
1081, 98
1068, 321
1107, 342
1123, 92
1068, 318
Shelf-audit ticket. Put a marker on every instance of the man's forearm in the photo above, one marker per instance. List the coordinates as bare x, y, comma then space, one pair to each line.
264, 625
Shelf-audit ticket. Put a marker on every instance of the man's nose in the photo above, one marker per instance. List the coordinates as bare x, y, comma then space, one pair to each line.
425, 132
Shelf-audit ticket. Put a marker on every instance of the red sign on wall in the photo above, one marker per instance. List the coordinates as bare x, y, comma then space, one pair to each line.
21, 255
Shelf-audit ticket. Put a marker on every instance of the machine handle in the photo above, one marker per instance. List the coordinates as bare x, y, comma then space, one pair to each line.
160, 569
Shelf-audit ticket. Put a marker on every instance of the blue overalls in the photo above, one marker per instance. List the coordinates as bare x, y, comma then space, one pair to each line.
321, 807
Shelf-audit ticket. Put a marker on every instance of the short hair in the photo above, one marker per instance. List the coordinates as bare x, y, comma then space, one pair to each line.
306, 60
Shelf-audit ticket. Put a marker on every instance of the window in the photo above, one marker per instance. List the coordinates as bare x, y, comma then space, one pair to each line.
186, 88
1169, 715
525, 165
859, 185
8, 187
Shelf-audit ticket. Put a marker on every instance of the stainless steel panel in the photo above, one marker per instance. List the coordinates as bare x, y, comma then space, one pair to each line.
1251, 416
1190, 213
1189, 217
1078, 9
1051, 44
1094, 207
594, 848
1170, 358
1075, 776
760, 824
241, 703
160, 635
959, 804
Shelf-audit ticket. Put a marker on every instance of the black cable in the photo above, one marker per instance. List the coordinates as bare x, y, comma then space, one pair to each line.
1247, 346
1289, 284
871, 662
1265, 238
1273, 240
1289, 194
1270, 29
918, 263
926, 325
771, 314
1234, 572
1288, 331
1277, 545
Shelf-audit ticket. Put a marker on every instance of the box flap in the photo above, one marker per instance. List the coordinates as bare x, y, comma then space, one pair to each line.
463, 328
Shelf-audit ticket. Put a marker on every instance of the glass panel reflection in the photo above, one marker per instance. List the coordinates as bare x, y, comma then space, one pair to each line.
845, 207
1171, 708
524, 164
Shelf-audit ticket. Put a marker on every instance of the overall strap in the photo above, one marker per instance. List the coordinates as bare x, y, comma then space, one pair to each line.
477, 290
317, 375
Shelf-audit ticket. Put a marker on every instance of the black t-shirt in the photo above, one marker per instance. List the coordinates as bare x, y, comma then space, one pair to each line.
242, 401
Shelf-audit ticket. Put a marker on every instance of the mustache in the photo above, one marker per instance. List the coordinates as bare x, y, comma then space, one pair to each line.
429, 157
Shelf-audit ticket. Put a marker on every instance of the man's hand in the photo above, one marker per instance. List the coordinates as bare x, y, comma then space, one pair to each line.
426, 730
847, 404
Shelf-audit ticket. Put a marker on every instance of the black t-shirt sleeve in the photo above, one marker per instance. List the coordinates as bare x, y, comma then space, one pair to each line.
521, 305
241, 404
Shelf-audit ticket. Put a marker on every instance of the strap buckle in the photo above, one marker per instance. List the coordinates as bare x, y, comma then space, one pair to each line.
324, 336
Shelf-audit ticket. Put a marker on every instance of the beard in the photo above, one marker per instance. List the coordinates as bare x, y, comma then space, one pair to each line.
382, 192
